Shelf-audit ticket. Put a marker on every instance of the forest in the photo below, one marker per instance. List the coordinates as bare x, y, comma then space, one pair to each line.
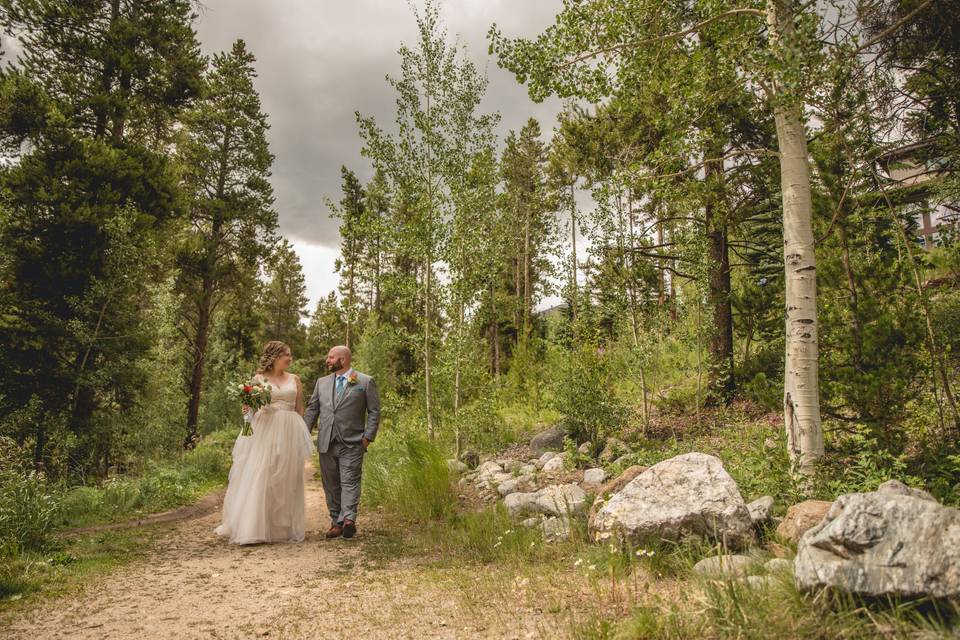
747, 211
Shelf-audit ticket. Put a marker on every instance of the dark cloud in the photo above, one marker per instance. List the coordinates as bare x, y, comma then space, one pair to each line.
319, 62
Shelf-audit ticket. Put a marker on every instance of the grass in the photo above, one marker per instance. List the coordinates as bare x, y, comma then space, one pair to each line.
634, 591
69, 564
37, 559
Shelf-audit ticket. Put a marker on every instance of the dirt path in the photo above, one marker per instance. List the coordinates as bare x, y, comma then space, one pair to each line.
196, 586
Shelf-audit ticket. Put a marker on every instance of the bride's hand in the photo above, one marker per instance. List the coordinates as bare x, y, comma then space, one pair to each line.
246, 409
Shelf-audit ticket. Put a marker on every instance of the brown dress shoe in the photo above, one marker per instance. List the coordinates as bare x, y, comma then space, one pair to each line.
334, 532
349, 528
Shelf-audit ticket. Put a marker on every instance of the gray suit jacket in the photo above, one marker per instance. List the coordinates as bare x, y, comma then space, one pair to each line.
355, 414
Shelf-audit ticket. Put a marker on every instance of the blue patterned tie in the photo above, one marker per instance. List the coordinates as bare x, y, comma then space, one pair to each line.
340, 380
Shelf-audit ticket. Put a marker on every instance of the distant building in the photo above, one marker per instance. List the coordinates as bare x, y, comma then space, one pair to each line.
931, 219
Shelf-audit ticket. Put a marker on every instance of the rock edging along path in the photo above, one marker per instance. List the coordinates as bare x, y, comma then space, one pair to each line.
209, 503
193, 585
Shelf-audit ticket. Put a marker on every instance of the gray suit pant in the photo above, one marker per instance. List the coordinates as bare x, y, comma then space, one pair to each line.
340, 469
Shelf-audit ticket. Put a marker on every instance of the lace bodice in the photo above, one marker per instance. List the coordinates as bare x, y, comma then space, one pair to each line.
283, 396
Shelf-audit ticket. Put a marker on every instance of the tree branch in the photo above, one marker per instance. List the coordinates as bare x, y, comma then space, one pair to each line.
676, 35
894, 27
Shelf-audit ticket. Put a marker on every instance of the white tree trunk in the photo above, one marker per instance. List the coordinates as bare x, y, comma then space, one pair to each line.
801, 395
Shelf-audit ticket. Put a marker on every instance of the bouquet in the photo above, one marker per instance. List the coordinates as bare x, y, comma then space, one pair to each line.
253, 394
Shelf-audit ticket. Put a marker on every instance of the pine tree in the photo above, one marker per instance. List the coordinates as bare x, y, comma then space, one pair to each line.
226, 164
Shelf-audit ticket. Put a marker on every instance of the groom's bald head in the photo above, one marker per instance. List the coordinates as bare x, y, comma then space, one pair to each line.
338, 358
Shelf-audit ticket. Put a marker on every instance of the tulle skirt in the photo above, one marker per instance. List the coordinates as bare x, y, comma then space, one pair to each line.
265, 495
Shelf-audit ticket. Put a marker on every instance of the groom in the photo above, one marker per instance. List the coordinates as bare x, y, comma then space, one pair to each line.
349, 409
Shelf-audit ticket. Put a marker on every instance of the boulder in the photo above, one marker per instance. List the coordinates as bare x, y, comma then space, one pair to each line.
471, 459
886, 543
897, 487
778, 565
801, 517
457, 467
691, 494
561, 500
613, 486
549, 440
545, 458
507, 487
760, 510
724, 566
554, 464
487, 470
585, 448
554, 528
521, 503
527, 470
530, 523
594, 476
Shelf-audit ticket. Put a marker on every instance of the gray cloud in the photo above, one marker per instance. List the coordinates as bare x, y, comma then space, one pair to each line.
318, 62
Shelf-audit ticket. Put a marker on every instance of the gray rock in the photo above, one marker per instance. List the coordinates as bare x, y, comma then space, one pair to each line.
545, 458
554, 464
555, 528
487, 471
778, 565
521, 503
897, 487
623, 461
883, 543
530, 523
724, 566
561, 500
760, 510
691, 494
594, 476
507, 487
457, 467
549, 440
585, 448
527, 470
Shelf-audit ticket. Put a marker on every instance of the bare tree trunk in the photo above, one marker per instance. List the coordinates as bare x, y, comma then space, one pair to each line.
801, 393
199, 353
573, 250
527, 293
721, 380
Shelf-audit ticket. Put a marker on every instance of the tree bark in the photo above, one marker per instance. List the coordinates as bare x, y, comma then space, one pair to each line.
801, 395
721, 383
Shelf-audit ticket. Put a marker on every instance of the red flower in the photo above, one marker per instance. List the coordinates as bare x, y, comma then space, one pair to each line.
247, 389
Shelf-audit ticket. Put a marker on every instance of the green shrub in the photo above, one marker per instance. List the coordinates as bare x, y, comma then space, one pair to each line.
584, 394
29, 505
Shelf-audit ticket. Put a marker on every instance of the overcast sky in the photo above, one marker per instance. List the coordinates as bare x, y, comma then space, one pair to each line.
319, 62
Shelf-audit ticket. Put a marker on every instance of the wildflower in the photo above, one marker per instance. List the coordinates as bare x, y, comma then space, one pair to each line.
578, 562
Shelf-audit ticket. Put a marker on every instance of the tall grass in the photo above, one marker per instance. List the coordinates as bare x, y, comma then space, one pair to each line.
407, 475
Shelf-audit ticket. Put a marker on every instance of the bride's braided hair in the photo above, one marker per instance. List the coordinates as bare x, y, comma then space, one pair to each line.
271, 352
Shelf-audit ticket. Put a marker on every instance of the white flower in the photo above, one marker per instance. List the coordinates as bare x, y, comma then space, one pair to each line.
578, 562
592, 567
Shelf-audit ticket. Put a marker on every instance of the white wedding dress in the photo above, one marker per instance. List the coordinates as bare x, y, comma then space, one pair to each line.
265, 495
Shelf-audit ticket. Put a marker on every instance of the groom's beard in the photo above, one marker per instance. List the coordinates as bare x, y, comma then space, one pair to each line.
336, 366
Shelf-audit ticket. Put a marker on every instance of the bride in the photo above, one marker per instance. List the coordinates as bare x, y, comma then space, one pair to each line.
265, 495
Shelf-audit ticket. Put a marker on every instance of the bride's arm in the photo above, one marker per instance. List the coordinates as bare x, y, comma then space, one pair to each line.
299, 405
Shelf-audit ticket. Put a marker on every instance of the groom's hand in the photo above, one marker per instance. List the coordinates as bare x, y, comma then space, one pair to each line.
365, 443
